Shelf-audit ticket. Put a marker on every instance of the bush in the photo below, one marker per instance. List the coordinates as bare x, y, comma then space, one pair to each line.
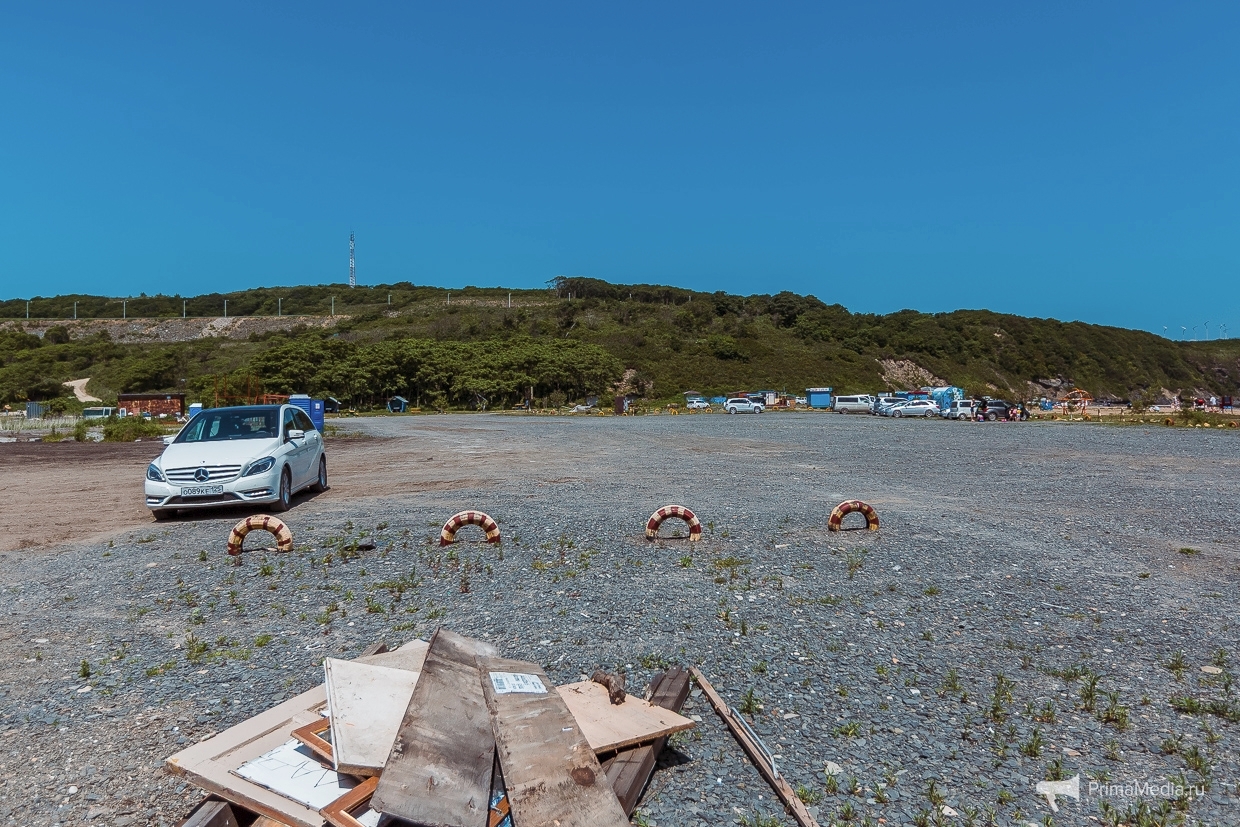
129, 428
79, 431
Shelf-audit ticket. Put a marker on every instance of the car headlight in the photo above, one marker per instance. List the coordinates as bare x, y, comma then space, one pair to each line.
153, 473
259, 466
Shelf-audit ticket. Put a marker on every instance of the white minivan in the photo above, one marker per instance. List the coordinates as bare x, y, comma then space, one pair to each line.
853, 404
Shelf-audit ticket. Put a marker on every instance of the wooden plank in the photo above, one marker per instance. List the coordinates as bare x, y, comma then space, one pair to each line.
439, 771
312, 736
630, 770
550, 771
340, 812
209, 764
212, 813
367, 704
757, 753
609, 726
376, 648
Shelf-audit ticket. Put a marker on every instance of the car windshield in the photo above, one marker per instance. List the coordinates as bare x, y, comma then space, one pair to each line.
232, 423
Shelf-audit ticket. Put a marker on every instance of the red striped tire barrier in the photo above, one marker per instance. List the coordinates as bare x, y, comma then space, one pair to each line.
848, 507
657, 518
447, 536
236, 537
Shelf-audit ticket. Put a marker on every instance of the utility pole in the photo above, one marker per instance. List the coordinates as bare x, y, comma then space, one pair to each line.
225, 308
27, 309
182, 308
75, 311
279, 307
28, 304
124, 308
510, 301
333, 305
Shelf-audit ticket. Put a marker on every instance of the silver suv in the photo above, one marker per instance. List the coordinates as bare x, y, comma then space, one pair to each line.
741, 404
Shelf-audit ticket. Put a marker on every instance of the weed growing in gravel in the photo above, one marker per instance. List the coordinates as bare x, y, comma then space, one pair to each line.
195, 648
832, 786
751, 704
1001, 695
686, 562
759, 668
1046, 714
1177, 664
155, 671
1055, 770
1196, 761
84, 670
1111, 750
931, 591
1033, 747
854, 561
951, 683
808, 795
1115, 714
847, 812
847, 730
1189, 552
1089, 693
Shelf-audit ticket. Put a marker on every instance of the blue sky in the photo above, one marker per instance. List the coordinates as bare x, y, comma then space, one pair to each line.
1057, 159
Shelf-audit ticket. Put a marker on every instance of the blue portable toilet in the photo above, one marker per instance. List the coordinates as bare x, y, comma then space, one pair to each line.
818, 397
312, 407
398, 404
194, 409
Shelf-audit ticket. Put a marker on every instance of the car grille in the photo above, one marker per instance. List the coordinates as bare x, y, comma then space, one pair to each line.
218, 473
216, 498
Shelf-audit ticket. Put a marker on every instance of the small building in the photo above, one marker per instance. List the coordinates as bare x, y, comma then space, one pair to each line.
818, 397
98, 413
153, 404
35, 410
398, 404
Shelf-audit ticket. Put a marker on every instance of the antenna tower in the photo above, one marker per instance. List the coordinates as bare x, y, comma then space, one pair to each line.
352, 268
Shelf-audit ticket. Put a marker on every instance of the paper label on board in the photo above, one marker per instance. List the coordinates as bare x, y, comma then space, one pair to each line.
506, 682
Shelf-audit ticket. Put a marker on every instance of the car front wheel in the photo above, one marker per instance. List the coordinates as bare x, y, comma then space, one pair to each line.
321, 483
286, 492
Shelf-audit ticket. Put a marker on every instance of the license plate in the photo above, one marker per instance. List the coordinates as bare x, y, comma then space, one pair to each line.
202, 490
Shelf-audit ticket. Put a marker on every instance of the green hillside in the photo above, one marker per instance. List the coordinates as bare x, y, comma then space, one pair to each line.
583, 336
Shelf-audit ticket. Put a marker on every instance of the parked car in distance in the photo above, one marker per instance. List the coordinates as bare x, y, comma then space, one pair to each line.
801, 400
887, 408
994, 409
881, 402
698, 405
261, 454
741, 404
960, 409
916, 407
852, 404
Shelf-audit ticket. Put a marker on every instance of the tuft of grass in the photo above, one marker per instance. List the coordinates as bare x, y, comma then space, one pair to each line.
751, 704
759, 668
84, 669
1033, 747
262, 640
851, 729
808, 795
1189, 552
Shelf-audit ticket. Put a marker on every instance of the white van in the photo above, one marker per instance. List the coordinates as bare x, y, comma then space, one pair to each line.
853, 404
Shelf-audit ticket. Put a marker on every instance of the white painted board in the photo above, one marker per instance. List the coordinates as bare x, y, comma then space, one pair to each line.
294, 772
366, 704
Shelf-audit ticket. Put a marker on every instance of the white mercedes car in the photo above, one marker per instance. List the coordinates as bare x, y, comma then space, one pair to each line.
262, 454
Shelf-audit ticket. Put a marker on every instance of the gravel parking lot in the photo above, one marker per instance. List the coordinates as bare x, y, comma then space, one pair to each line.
1038, 595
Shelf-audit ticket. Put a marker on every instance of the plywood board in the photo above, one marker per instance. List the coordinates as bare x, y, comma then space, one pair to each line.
630, 769
550, 771
209, 764
367, 703
609, 726
438, 773
410, 656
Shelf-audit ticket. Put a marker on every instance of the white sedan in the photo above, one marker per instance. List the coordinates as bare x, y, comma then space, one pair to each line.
262, 454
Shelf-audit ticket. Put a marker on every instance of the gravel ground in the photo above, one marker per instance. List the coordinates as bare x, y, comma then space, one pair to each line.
944, 661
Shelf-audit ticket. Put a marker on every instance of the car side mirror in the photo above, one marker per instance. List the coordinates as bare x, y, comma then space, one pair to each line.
296, 435
168, 440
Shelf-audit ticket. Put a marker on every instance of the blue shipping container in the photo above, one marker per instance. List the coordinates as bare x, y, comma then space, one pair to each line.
818, 397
